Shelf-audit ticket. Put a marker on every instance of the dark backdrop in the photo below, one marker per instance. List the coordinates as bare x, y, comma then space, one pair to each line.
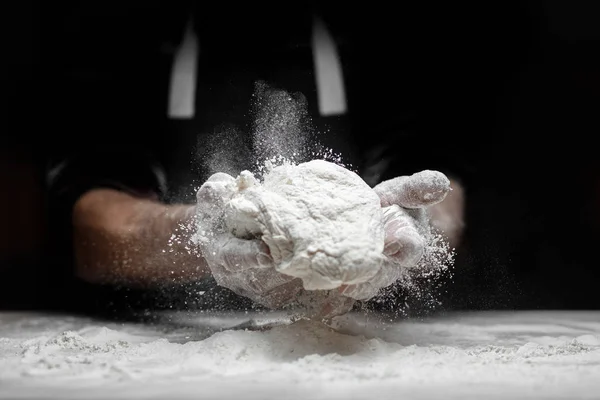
502, 94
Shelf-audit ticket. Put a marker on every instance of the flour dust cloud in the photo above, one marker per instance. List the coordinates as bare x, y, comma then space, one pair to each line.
279, 138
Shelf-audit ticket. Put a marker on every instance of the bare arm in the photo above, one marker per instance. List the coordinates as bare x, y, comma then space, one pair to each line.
123, 239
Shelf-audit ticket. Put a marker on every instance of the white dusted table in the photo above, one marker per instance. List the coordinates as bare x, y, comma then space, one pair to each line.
475, 355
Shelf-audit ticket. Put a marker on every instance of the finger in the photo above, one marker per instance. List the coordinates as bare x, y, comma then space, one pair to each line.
340, 305
323, 303
264, 286
237, 267
394, 217
236, 254
420, 218
284, 290
389, 273
415, 217
415, 191
403, 243
362, 291
405, 247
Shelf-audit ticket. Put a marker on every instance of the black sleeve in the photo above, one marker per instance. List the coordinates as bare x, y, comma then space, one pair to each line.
135, 172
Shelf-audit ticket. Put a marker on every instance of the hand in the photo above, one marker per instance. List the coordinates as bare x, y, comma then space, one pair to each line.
244, 266
404, 201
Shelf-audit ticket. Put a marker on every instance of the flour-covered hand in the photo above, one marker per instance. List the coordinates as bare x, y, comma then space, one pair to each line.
245, 267
241, 265
404, 201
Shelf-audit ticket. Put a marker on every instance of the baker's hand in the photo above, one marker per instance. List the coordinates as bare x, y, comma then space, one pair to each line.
404, 201
241, 265
246, 267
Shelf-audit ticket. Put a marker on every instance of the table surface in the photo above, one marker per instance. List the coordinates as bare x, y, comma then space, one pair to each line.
529, 354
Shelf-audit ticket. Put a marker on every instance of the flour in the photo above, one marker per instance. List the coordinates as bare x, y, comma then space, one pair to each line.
321, 222
473, 355
281, 126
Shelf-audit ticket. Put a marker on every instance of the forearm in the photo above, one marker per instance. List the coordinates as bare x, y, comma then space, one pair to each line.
122, 239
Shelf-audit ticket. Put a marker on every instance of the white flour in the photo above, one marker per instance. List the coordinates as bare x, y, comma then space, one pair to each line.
476, 355
321, 222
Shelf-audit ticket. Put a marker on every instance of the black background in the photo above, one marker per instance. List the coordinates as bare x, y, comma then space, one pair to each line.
503, 94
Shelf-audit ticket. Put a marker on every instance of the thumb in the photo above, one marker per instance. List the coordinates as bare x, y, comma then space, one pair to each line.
419, 190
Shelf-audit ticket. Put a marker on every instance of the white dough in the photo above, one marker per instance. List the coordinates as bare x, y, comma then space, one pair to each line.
321, 222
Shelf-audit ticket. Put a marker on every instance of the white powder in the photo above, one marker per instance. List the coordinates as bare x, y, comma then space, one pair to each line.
321, 222
474, 355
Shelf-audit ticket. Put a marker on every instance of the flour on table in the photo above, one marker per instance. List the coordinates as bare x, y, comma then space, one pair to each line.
321, 222
497, 355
